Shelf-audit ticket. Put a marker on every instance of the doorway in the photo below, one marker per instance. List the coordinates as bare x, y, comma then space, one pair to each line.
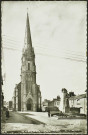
30, 104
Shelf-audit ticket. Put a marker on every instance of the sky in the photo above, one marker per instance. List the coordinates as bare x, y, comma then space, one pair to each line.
58, 32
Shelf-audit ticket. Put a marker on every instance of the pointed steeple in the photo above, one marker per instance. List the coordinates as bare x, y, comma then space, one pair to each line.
28, 42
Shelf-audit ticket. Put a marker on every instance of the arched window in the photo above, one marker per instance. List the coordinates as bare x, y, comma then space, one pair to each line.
28, 66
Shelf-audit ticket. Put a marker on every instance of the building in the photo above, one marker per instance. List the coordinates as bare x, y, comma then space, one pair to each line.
51, 103
30, 91
2, 100
55, 102
79, 101
74, 103
6, 104
45, 104
16, 99
2, 94
10, 105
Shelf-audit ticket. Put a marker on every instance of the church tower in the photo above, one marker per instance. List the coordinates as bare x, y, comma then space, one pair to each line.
30, 91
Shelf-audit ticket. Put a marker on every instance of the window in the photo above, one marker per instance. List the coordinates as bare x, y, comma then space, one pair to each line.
28, 66
57, 103
78, 102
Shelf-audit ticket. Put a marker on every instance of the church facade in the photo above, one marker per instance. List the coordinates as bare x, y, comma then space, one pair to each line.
30, 91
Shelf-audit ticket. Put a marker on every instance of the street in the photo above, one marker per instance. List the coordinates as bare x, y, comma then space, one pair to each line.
39, 122
15, 117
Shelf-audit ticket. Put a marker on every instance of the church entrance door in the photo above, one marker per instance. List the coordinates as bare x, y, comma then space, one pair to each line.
29, 104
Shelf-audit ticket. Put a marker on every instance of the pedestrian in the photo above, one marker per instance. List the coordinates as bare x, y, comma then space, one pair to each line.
48, 113
7, 113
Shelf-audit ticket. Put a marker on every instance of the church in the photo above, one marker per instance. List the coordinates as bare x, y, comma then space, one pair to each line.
30, 91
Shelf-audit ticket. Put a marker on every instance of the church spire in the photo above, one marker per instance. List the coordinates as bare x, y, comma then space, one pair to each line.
28, 42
